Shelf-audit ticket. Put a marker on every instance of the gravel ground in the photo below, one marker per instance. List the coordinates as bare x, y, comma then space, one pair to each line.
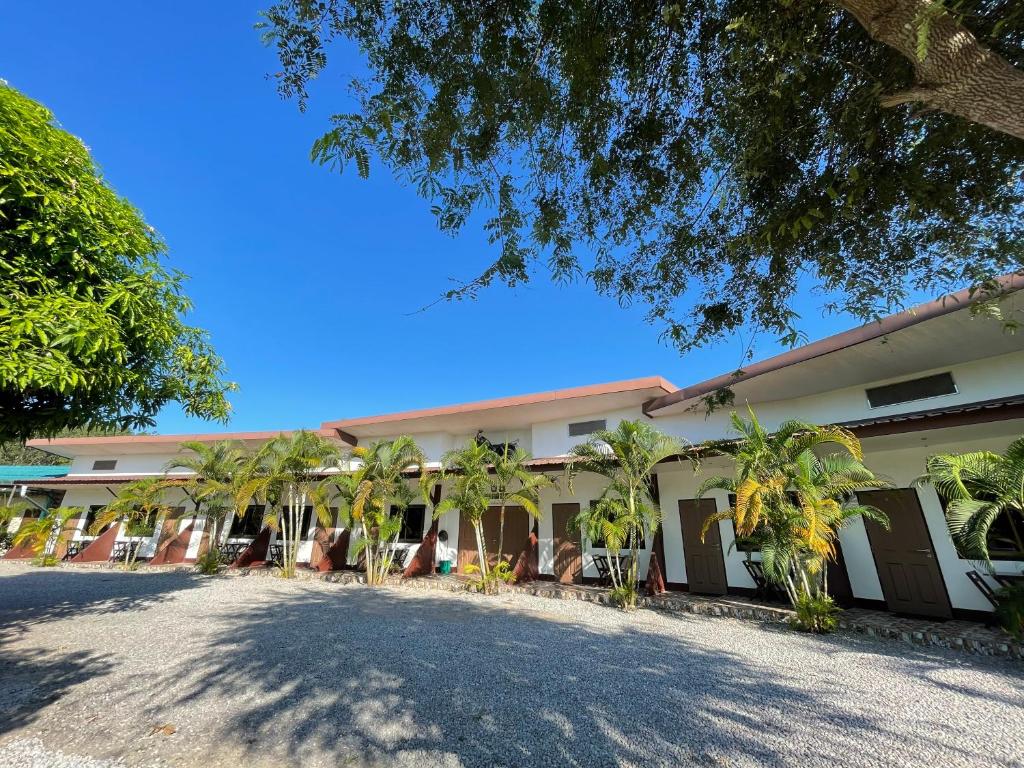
101, 668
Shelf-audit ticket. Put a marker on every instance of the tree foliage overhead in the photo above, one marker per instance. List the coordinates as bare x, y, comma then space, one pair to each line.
700, 158
91, 322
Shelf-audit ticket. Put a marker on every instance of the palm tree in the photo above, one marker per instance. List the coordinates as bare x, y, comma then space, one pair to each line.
626, 511
42, 532
978, 488
514, 485
791, 500
374, 496
285, 473
468, 470
137, 505
215, 468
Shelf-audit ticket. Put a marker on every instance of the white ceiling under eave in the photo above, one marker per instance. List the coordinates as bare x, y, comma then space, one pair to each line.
936, 343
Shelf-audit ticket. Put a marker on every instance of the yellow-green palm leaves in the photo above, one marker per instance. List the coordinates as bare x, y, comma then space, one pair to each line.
367, 494
626, 456
792, 490
467, 471
515, 485
979, 487
139, 503
215, 472
38, 533
285, 475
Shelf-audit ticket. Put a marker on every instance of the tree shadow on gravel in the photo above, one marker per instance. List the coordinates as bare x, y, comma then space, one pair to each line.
43, 595
373, 677
33, 677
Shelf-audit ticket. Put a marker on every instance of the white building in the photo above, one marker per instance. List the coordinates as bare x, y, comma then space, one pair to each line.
933, 379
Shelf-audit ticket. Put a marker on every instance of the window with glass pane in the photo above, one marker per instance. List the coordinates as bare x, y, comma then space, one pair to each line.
248, 524
412, 522
1005, 535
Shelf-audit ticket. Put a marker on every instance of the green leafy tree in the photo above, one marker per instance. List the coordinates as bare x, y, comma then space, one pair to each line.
91, 321
979, 487
514, 484
373, 497
467, 471
139, 505
216, 469
285, 474
792, 501
626, 511
701, 157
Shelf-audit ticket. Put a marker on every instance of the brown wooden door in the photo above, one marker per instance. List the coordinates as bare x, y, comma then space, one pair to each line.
568, 564
467, 543
904, 555
517, 534
705, 562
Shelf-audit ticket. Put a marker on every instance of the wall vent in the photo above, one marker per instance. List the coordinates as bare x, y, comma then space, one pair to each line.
580, 428
914, 389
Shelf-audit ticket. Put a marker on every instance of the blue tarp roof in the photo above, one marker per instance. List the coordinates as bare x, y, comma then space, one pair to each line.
10, 473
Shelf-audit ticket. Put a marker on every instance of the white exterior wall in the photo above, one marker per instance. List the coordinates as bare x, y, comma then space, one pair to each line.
586, 488
127, 464
551, 438
976, 381
677, 482
902, 467
900, 459
435, 444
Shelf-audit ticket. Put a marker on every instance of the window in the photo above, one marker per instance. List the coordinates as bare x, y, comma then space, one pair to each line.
600, 543
90, 518
248, 524
412, 522
915, 389
144, 528
307, 515
1005, 536
580, 428
104, 464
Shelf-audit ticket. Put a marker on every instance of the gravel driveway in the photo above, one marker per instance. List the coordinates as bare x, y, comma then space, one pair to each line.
263, 672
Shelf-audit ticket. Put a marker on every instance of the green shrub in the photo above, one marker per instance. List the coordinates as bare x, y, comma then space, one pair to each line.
624, 596
1010, 610
816, 614
209, 563
45, 561
500, 573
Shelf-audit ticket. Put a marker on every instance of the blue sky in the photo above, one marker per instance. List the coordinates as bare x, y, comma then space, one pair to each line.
305, 278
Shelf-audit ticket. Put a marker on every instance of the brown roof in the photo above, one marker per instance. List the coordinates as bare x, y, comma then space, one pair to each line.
204, 437
852, 337
591, 390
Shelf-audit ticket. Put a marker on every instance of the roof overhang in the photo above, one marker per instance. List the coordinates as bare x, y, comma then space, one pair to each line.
932, 335
113, 445
507, 412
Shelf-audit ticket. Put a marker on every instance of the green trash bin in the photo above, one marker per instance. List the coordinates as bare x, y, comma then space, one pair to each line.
445, 566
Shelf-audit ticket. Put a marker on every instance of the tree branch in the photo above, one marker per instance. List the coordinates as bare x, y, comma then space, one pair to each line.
957, 74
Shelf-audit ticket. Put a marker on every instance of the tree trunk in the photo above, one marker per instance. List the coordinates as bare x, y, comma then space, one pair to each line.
501, 531
958, 75
481, 552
